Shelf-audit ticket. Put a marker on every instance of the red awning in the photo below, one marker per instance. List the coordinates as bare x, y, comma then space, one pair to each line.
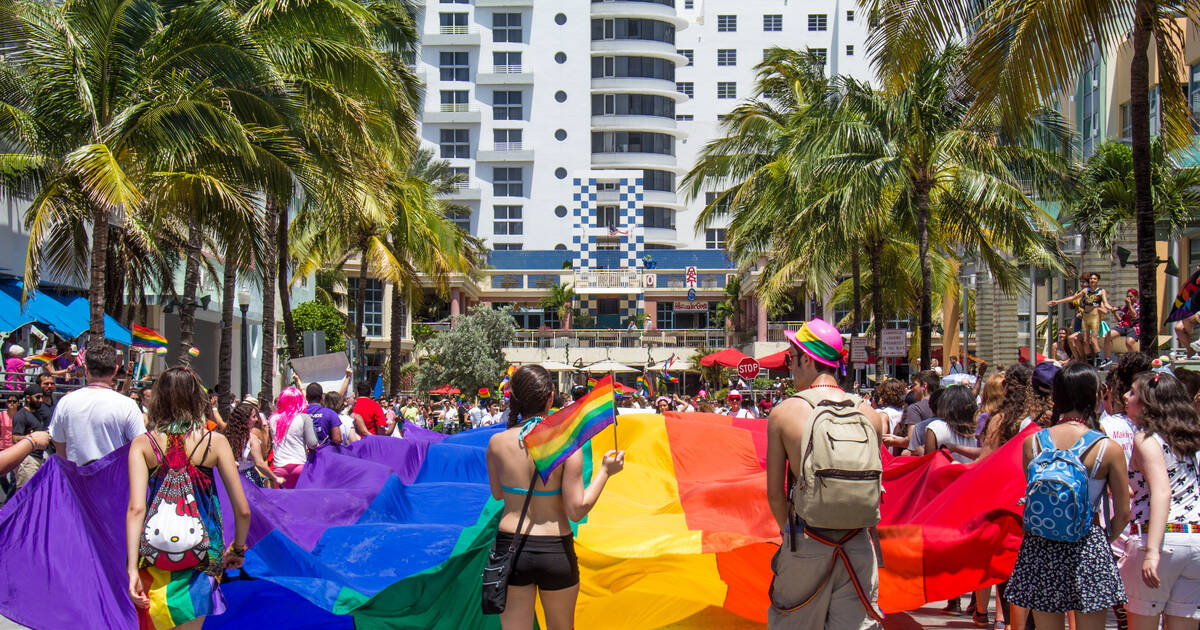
777, 361
1024, 355
445, 389
728, 357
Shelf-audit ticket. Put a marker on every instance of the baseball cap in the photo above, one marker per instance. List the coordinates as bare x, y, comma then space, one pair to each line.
33, 390
733, 393
820, 340
1043, 376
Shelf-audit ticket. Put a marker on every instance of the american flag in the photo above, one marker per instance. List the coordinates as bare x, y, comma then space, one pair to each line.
613, 231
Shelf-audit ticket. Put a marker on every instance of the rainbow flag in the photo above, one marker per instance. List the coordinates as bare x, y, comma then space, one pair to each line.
644, 384
553, 439
42, 359
146, 338
177, 597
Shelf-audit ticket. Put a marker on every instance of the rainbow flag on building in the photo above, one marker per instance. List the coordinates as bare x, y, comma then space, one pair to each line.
146, 338
42, 359
552, 440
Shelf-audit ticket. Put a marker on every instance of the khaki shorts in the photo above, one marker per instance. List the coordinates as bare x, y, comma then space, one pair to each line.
799, 574
1178, 592
1091, 322
26, 470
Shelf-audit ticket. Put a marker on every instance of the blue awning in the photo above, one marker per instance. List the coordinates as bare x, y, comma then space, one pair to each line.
11, 317
44, 309
113, 330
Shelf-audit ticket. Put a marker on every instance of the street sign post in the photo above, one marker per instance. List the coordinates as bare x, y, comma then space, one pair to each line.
858, 349
895, 342
748, 368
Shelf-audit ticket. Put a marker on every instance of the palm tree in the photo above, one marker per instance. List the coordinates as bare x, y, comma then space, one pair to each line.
562, 300
1107, 196
1022, 55
94, 114
729, 309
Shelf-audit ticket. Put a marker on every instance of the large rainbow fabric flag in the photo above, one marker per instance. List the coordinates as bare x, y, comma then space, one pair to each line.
555, 438
1187, 302
394, 533
146, 338
42, 359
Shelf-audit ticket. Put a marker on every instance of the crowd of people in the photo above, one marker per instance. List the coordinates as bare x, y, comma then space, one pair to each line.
1134, 435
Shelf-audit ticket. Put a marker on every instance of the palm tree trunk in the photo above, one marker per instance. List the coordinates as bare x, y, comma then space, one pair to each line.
360, 311
270, 265
856, 286
285, 294
876, 263
97, 272
191, 282
1139, 107
397, 347
225, 355
926, 322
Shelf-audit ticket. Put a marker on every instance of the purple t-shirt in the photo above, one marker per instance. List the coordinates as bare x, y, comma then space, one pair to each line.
324, 420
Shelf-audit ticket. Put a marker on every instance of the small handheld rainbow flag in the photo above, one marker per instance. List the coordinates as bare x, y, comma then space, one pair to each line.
146, 338
644, 384
42, 359
552, 440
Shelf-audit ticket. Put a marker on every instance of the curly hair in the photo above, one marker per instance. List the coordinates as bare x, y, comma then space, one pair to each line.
891, 394
1168, 412
237, 428
1018, 389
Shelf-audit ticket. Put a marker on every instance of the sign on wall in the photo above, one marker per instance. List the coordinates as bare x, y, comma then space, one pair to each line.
895, 342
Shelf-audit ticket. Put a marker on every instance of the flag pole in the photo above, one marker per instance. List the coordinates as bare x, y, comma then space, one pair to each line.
612, 379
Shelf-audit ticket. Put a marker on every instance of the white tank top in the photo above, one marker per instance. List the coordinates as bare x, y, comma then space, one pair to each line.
1184, 476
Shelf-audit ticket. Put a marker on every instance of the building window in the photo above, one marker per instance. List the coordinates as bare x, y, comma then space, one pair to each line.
818, 22
850, 15
821, 53
1154, 123
454, 1
506, 247
632, 105
689, 53
453, 23
632, 28
462, 176
714, 238
456, 143
507, 221
656, 217
1126, 121
689, 4
372, 305
686, 87
722, 205
632, 142
773, 23
643, 67
849, 50
1023, 314
454, 100
658, 180
608, 216
506, 105
685, 117
461, 218
726, 89
508, 182
506, 27
727, 57
726, 23
452, 66
507, 139
506, 62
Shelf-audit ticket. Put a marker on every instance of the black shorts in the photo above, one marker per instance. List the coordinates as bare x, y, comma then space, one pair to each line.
1077, 324
1127, 331
547, 561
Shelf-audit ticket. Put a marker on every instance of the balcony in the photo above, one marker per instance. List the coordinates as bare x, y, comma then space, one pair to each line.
505, 74
506, 152
696, 338
453, 113
464, 192
504, 3
608, 281
633, 160
451, 36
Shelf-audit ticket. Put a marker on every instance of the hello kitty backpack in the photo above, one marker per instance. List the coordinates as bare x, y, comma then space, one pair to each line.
174, 536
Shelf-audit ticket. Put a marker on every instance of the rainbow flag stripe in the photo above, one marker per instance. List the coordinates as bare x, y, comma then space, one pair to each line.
42, 359
553, 439
146, 338
177, 597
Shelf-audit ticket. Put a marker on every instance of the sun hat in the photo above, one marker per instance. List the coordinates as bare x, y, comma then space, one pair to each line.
1043, 377
733, 393
819, 340
661, 399
702, 394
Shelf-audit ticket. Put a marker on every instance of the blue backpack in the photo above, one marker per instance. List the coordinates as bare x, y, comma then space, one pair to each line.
1056, 496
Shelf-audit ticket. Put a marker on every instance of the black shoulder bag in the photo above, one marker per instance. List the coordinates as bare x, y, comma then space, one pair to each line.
499, 564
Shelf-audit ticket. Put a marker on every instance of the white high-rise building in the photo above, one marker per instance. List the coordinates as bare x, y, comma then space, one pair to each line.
524, 97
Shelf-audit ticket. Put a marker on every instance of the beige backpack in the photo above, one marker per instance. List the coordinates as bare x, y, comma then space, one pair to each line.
838, 479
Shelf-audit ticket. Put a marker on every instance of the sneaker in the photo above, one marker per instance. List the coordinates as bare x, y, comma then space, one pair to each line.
953, 607
1195, 346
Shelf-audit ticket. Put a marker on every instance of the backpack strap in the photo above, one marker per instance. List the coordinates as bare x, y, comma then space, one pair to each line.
205, 439
1085, 444
1042, 442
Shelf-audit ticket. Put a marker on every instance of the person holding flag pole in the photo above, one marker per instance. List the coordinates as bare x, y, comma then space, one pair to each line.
536, 469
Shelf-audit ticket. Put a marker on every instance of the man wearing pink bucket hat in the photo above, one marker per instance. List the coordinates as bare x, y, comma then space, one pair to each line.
826, 574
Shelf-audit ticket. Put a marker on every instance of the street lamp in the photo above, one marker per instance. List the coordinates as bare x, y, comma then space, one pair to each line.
244, 304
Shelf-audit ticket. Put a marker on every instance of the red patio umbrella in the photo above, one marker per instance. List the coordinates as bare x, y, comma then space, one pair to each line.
729, 357
776, 361
1023, 354
444, 389
623, 388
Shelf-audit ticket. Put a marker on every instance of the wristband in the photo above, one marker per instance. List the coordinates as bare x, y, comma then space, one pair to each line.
33, 445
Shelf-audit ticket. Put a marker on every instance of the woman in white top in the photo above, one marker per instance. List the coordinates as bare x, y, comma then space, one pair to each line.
955, 423
335, 401
247, 448
1161, 567
293, 435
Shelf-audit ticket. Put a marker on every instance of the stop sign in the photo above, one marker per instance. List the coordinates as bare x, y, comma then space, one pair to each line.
747, 368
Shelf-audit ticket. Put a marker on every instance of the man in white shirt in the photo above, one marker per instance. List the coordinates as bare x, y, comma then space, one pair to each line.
476, 415
93, 421
735, 406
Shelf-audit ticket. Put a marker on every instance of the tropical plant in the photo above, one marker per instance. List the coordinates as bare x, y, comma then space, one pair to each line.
714, 375
1106, 202
324, 317
469, 355
1022, 55
561, 298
